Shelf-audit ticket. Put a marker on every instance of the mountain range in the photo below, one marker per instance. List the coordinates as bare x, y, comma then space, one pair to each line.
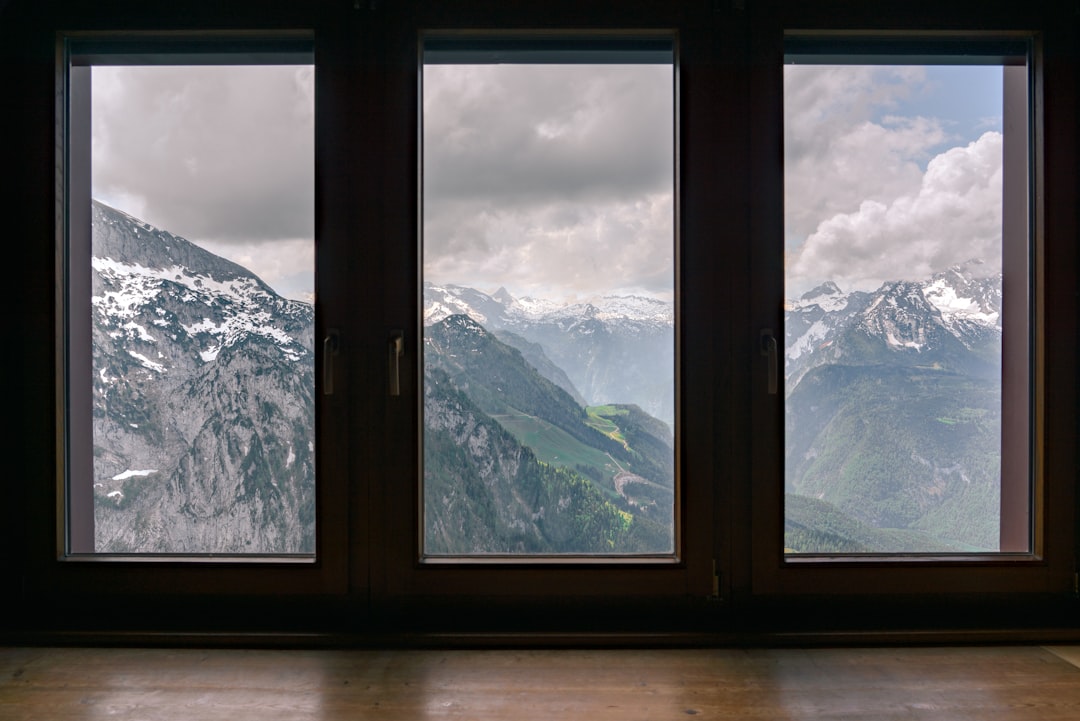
893, 416
614, 349
515, 460
547, 427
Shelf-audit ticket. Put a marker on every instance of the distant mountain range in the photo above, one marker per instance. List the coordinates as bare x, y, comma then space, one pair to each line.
894, 416
616, 349
535, 436
547, 428
952, 319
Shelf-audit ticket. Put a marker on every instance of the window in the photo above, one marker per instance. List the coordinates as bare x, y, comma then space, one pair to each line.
900, 416
391, 218
549, 172
905, 364
549, 299
190, 356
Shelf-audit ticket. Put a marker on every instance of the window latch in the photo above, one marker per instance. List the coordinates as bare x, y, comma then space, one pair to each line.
331, 343
769, 350
397, 349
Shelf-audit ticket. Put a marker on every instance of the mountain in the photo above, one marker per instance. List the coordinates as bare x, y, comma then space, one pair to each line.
615, 349
203, 400
953, 319
818, 525
203, 417
615, 455
487, 493
894, 411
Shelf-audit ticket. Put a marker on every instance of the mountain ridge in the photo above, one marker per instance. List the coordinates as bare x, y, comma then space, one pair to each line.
203, 399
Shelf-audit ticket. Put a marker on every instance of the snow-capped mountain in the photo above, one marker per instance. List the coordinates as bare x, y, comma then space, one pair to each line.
614, 349
952, 319
892, 416
501, 308
203, 395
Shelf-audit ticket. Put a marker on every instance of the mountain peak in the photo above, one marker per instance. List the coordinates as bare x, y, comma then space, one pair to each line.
123, 237
828, 288
463, 324
503, 296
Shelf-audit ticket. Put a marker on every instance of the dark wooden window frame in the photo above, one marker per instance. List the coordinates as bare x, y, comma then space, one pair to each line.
730, 206
1049, 566
72, 568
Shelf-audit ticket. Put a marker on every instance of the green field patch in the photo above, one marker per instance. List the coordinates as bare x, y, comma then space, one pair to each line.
555, 446
599, 417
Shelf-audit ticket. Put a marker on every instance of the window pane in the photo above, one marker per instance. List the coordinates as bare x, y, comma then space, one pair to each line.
905, 209
548, 267
201, 310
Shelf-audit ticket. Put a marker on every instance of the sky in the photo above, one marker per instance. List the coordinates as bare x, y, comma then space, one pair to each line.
552, 181
891, 173
222, 156
557, 181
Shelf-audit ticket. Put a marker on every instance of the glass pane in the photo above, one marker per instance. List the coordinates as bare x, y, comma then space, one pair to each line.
895, 255
202, 317
549, 395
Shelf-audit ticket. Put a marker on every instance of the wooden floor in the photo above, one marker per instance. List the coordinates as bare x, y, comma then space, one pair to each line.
977, 684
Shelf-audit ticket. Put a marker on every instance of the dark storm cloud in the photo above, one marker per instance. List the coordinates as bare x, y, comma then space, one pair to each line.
523, 134
211, 153
549, 179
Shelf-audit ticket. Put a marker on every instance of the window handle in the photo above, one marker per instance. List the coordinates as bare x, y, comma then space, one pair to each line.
397, 349
329, 349
768, 349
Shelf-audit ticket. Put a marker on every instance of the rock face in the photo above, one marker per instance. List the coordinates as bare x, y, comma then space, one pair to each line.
203, 400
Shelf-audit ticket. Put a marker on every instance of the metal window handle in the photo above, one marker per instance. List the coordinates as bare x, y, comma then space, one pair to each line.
331, 343
397, 349
769, 349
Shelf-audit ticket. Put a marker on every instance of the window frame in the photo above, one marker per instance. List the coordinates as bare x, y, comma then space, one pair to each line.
405, 579
580, 49
186, 574
367, 586
1047, 566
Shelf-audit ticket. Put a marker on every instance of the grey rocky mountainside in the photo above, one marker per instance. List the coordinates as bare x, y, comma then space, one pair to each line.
203, 400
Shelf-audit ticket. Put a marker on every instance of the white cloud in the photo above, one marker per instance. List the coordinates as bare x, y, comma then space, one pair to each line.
873, 191
953, 216
841, 147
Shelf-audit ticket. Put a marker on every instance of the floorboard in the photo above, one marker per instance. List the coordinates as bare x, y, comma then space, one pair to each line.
863, 684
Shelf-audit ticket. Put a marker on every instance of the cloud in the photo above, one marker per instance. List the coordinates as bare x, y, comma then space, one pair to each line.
873, 191
548, 179
954, 216
841, 144
286, 265
210, 153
